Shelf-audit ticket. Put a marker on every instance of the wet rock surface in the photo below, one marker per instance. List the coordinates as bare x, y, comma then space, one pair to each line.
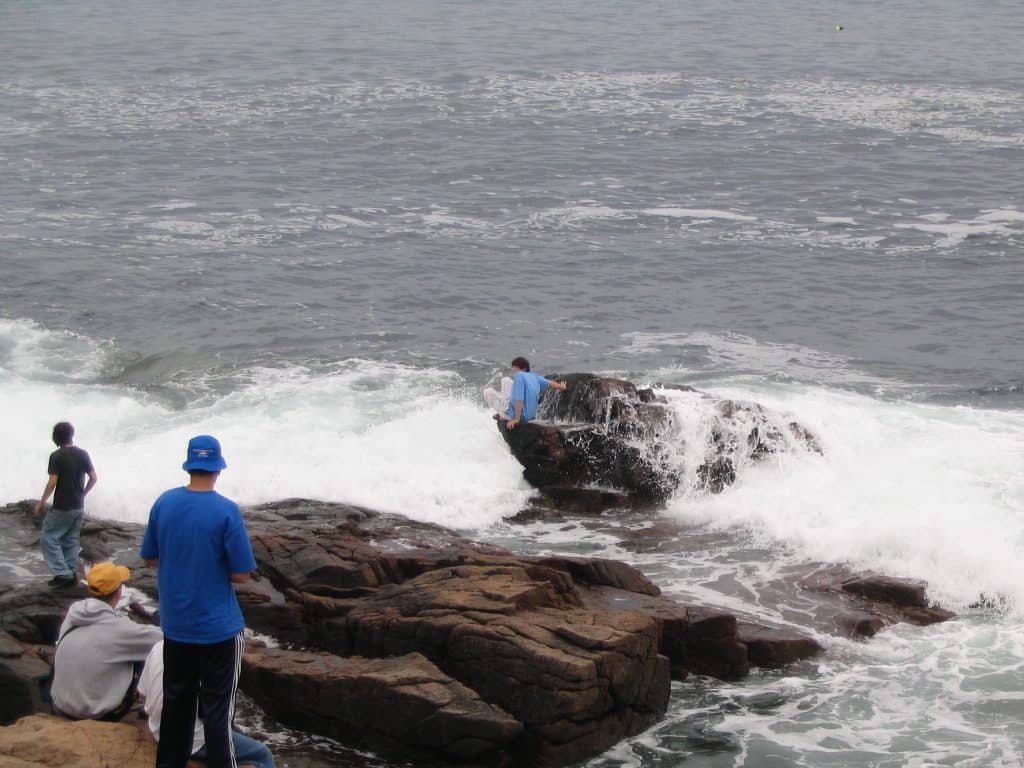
513, 631
410, 640
605, 433
24, 671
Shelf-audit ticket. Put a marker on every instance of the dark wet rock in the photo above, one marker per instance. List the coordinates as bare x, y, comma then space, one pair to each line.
904, 593
587, 456
605, 433
34, 613
598, 572
858, 624
715, 475
925, 615
24, 671
578, 680
111, 540
511, 629
707, 641
556, 501
575, 652
402, 706
771, 647
887, 598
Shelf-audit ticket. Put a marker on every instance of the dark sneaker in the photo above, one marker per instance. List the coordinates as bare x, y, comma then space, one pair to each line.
56, 581
63, 581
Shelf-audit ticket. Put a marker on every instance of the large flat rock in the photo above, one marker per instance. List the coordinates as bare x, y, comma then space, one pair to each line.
44, 741
403, 705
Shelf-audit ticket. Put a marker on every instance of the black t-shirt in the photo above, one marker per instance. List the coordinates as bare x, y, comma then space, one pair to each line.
70, 464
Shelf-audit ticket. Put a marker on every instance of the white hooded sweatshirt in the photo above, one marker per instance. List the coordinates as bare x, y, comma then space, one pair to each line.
96, 649
151, 689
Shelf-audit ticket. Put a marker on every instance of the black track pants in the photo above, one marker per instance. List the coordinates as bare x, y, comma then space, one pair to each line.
207, 674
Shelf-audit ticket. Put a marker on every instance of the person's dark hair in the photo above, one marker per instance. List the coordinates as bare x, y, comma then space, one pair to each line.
521, 363
201, 472
63, 433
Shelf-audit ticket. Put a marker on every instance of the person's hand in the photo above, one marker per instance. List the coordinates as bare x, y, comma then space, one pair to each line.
511, 423
40, 507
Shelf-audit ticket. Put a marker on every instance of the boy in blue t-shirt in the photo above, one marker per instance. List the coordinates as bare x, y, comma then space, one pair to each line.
198, 541
527, 388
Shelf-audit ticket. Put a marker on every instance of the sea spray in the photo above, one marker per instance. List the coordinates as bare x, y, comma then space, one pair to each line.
391, 437
909, 489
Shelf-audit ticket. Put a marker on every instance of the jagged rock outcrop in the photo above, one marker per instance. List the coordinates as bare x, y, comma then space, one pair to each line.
411, 640
511, 630
607, 433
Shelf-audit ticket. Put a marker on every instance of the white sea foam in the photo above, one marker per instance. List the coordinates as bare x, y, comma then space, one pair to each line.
993, 222
446, 219
911, 697
1001, 215
389, 437
738, 352
912, 490
181, 227
174, 205
575, 215
697, 213
337, 221
955, 114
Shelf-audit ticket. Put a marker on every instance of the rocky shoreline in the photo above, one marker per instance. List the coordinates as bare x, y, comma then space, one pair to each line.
413, 642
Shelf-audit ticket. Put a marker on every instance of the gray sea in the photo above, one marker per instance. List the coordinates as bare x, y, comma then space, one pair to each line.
318, 229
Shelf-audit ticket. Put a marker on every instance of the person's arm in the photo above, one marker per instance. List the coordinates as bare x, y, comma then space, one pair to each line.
517, 414
561, 386
150, 550
51, 483
517, 398
92, 482
129, 641
239, 550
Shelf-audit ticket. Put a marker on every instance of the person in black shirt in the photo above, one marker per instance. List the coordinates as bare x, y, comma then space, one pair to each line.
68, 468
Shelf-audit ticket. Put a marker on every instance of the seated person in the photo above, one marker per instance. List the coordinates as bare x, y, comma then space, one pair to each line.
99, 651
527, 387
247, 751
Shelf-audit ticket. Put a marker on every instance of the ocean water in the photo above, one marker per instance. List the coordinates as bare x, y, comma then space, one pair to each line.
318, 231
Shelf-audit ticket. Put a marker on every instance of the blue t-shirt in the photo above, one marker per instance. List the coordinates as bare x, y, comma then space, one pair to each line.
526, 386
200, 540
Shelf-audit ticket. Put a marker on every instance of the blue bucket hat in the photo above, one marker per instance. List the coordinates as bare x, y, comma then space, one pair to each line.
204, 454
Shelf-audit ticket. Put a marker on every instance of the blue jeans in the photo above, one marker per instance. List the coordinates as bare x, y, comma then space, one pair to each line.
59, 542
247, 751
